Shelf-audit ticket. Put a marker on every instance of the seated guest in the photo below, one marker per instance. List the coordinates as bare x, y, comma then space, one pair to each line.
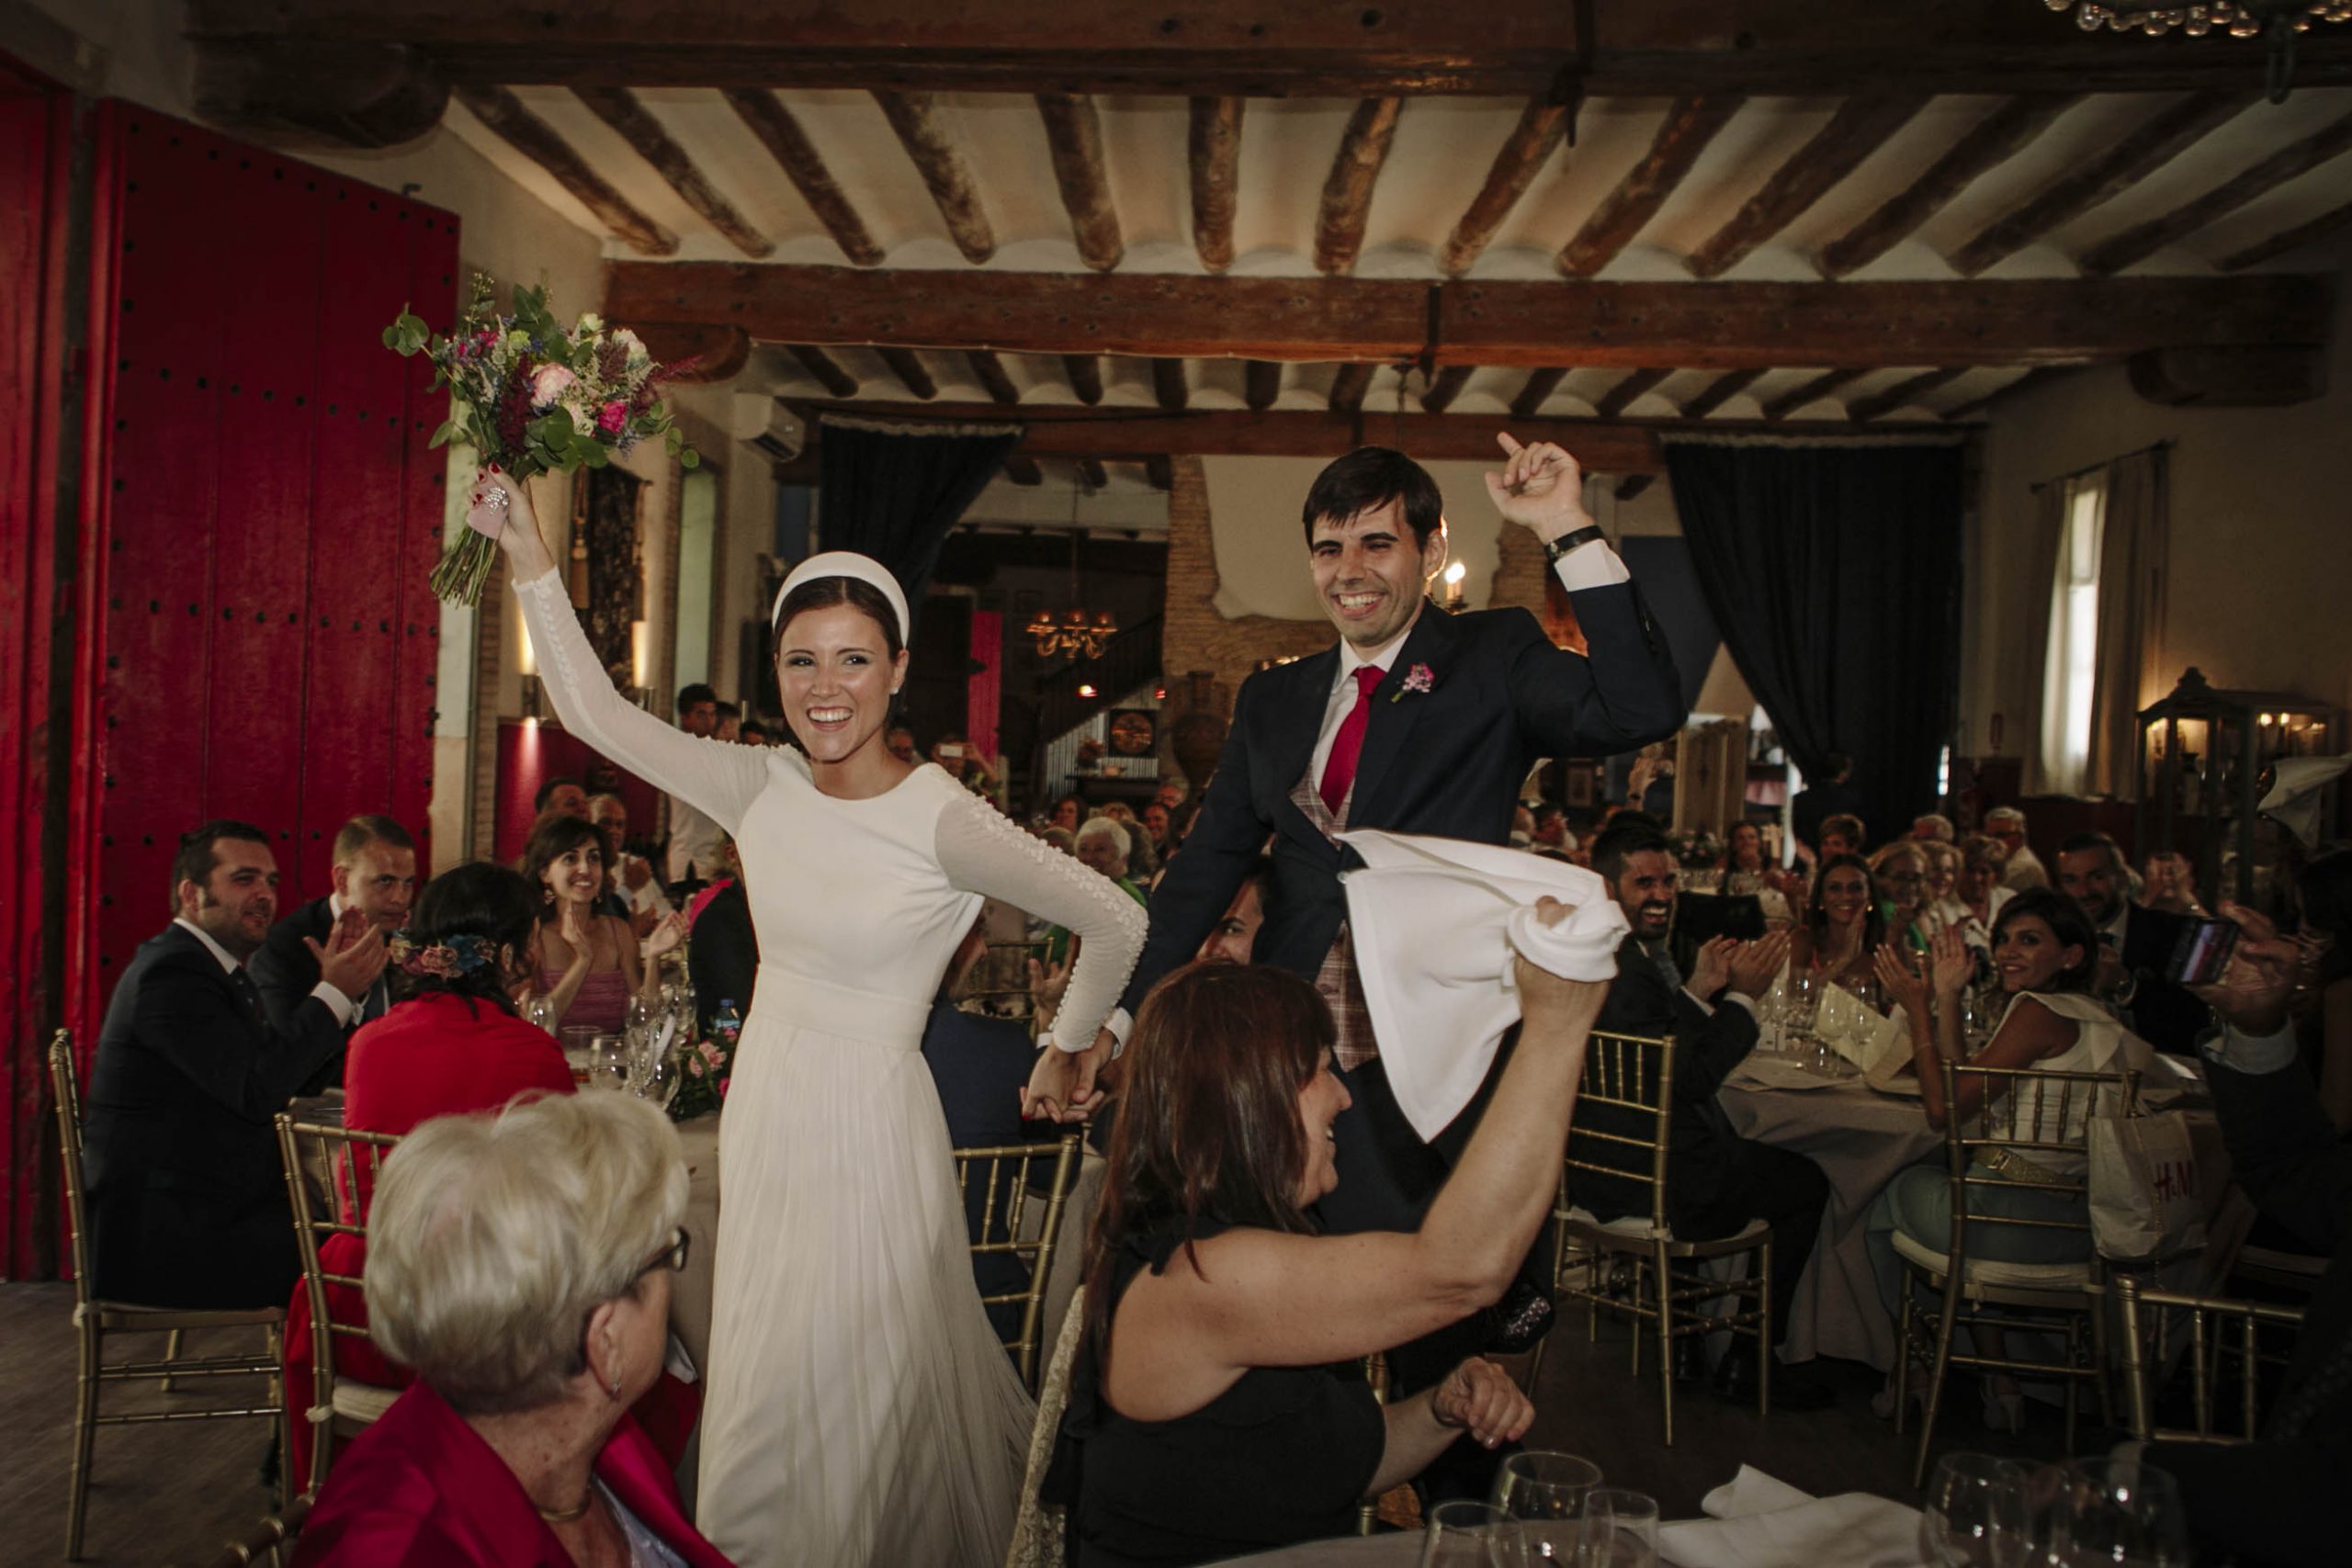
1101, 846
1977, 889
1213, 1409
520, 1263
1157, 821
900, 742
1841, 835
1716, 1180
1932, 829
2044, 953
374, 873
723, 959
589, 962
1832, 794
561, 797
636, 893
2277, 1501
1900, 874
2023, 869
1235, 939
1068, 813
1943, 906
979, 1064
2170, 884
729, 723
453, 1043
753, 733
1142, 865
2323, 995
1842, 927
187, 1193
2135, 944
1742, 864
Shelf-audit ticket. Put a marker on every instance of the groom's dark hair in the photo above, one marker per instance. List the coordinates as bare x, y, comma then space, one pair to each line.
1370, 478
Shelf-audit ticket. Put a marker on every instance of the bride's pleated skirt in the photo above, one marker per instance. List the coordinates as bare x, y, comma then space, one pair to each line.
858, 1409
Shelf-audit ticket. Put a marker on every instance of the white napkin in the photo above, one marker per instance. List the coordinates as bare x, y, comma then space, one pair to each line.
1763, 1523
1435, 922
1855, 1029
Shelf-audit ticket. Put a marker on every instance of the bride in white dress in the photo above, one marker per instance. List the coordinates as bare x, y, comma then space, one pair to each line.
858, 1409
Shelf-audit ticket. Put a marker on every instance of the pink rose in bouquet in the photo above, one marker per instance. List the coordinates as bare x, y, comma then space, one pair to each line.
548, 384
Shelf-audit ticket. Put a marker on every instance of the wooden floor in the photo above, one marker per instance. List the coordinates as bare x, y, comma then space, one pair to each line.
173, 1493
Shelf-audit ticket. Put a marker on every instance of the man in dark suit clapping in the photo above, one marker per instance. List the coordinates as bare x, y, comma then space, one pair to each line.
374, 873
188, 1199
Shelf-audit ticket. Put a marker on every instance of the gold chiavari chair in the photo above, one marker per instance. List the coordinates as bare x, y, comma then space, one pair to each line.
268, 1539
1011, 1199
1375, 1372
96, 1319
1039, 1527
2032, 1131
1666, 1293
322, 1177
2209, 1356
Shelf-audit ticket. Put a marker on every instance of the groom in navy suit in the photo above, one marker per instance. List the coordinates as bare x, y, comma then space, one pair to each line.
1416, 721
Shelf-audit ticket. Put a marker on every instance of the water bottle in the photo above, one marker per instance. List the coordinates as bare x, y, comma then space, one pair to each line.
727, 1024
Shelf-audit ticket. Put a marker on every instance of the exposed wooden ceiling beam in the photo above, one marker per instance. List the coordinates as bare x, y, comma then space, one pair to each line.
1541, 385
1543, 126
992, 375
1347, 190
1160, 472
1861, 124
1169, 386
1861, 410
1619, 398
1444, 386
621, 109
1091, 473
1525, 325
1690, 125
1821, 386
826, 369
1261, 383
1349, 386
1085, 377
2100, 178
1074, 137
915, 119
2290, 162
695, 354
1214, 153
907, 367
1719, 391
2286, 240
1992, 142
1632, 485
780, 133
1975, 406
1307, 48
1022, 469
505, 115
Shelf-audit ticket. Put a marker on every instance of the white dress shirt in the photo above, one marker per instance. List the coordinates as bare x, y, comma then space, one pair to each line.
694, 842
337, 1003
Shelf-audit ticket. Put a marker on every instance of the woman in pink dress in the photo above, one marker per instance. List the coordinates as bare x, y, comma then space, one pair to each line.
589, 962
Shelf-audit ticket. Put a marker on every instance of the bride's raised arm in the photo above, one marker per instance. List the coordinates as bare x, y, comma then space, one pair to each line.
718, 777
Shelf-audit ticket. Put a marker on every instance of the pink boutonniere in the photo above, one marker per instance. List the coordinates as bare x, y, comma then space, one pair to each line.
1417, 679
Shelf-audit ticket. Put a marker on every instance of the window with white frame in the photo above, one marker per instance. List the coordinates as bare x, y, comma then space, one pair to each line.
2071, 670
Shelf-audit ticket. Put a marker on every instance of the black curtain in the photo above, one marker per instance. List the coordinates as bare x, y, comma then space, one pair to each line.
893, 491
1833, 570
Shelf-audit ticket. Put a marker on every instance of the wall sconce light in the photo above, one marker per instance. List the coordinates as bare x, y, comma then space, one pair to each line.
529, 661
1455, 573
531, 697
1086, 689
641, 662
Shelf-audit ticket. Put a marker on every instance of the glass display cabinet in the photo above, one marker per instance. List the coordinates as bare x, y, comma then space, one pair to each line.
2205, 760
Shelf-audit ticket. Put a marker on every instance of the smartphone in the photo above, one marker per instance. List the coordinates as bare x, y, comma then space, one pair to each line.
2202, 952
951, 749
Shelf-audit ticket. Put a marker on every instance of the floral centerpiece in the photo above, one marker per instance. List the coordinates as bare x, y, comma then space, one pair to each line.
706, 1067
535, 397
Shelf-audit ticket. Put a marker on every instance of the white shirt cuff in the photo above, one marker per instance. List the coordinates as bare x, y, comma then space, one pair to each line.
1121, 1023
1702, 1004
337, 1003
1743, 999
2254, 1054
1592, 564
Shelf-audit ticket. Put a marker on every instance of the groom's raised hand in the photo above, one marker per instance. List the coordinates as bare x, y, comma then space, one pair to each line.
1540, 488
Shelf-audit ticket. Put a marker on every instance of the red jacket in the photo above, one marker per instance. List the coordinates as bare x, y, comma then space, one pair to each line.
419, 1489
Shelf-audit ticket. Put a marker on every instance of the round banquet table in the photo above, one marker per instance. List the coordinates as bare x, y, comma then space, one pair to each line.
1860, 1137
1399, 1548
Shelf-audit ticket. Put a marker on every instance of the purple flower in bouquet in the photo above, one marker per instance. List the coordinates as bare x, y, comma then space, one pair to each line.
1417, 679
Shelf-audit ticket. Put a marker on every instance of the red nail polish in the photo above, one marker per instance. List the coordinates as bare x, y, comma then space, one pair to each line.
496, 470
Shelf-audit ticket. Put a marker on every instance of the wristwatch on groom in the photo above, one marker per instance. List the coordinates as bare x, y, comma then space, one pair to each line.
1575, 539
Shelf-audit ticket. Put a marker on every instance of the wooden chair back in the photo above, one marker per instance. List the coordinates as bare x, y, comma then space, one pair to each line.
2224, 1336
331, 1174
1632, 1074
2033, 1115
1010, 1198
66, 1089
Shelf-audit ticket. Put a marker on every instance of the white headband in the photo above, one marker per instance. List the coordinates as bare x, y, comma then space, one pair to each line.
844, 563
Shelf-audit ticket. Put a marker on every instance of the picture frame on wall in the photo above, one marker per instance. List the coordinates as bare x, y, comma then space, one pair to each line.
1133, 732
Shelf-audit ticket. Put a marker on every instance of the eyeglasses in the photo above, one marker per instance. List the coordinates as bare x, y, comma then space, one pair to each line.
674, 1253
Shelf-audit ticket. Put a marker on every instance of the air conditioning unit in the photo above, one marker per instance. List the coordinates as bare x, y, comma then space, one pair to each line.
762, 422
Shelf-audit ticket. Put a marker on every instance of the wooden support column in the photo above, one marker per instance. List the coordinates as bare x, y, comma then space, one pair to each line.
1346, 192
1074, 137
621, 109
504, 114
1619, 398
1085, 377
1861, 410
1543, 126
1541, 385
2144, 240
1994, 140
1860, 128
780, 133
1690, 125
826, 369
940, 164
1215, 152
1168, 385
1261, 383
2100, 178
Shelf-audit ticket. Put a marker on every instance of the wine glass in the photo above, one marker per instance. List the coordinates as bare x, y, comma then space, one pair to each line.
608, 1063
1468, 1535
1545, 1492
655, 1075
1803, 1006
541, 1011
1620, 1529
1975, 1512
2121, 1511
639, 1014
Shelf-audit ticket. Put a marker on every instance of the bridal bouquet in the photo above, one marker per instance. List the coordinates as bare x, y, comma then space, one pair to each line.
535, 397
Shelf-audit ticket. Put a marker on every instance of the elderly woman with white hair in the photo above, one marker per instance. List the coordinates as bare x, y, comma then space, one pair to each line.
520, 1263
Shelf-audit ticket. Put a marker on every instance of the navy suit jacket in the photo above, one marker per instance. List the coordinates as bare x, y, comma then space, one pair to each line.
980, 1065
2163, 1014
1446, 762
283, 968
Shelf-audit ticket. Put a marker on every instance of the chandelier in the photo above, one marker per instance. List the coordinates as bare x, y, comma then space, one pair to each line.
1080, 633
2277, 22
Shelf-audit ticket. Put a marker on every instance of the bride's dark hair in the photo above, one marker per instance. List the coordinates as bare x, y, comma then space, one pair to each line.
1207, 1122
824, 592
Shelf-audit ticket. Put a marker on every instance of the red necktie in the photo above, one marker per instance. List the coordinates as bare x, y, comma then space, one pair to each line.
1339, 768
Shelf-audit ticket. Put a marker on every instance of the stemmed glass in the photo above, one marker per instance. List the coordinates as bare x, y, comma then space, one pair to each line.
2120, 1512
1975, 1515
1545, 1492
655, 1075
1468, 1535
608, 1062
1620, 1529
541, 1011
1803, 1006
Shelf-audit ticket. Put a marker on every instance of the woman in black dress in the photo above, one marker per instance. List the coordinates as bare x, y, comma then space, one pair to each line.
1216, 1405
